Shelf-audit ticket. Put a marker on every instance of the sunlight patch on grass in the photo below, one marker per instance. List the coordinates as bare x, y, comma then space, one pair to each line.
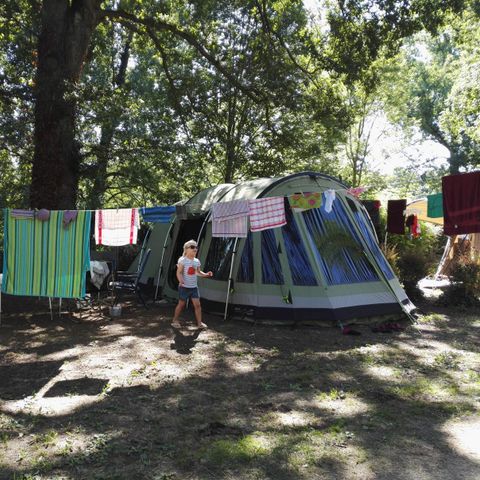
229, 451
463, 437
433, 318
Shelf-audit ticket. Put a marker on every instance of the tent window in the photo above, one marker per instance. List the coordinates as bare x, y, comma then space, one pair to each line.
271, 268
337, 246
219, 257
364, 225
300, 267
245, 269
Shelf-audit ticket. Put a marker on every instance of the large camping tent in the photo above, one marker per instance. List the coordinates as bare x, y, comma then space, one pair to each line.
320, 266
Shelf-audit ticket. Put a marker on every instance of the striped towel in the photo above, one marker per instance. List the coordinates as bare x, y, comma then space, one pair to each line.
162, 214
45, 259
237, 227
228, 210
229, 219
18, 213
266, 213
116, 227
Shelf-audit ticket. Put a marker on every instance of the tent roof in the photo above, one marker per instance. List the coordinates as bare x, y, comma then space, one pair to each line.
419, 208
255, 188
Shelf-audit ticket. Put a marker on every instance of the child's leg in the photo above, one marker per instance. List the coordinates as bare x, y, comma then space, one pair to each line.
198, 311
178, 310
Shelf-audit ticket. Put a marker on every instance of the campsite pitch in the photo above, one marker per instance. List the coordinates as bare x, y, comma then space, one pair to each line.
130, 398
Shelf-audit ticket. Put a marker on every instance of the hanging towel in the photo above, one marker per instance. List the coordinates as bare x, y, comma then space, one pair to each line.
69, 216
161, 214
461, 203
229, 219
266, 213
116, 227
26, 214
237, 227
356, 191
300, 202
229, 210
41, 258
435, 205
329, 199
396, 216
373, 209
42, 214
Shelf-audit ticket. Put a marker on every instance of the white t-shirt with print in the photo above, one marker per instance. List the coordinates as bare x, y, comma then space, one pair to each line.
190, 267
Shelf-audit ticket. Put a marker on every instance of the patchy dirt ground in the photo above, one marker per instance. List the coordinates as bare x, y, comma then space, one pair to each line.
128, 398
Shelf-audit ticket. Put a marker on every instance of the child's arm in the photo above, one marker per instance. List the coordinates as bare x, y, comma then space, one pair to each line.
203, 274
180, 274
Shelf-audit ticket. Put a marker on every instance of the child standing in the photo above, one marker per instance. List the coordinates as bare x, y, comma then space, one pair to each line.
188, 267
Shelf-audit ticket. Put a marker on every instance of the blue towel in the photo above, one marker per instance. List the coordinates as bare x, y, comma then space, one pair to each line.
157, 214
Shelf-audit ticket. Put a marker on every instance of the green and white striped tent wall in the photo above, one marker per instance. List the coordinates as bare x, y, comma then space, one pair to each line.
287, 300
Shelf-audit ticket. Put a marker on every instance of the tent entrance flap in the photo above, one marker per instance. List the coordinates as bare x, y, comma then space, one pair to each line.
188, 230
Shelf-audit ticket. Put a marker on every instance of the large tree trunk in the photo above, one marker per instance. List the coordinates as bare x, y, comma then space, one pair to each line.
67, 27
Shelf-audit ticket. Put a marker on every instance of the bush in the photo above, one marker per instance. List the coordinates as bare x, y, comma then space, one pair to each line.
414, 258
464, 286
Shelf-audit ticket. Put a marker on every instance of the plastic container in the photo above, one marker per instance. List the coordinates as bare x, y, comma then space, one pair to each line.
115, 311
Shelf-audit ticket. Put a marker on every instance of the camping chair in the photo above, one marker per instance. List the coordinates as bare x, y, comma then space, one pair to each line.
129, 282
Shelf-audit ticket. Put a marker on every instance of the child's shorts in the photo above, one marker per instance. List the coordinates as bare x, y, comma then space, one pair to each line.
184, 293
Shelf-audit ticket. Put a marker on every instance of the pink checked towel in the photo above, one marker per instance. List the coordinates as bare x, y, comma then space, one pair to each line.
266, 213
116, 227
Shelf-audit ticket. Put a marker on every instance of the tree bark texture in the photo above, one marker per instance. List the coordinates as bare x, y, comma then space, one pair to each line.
67, 27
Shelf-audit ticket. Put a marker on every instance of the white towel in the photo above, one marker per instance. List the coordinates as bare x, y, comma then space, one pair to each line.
116, 227
236, 227
266, 213
329, 199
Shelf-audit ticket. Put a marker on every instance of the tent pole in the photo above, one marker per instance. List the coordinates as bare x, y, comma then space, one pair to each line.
160, 268
230, 278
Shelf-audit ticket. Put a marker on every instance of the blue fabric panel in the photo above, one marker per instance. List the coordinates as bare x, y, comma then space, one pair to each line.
302, 273
271, 267
372, 243
245, 269
350, 268
157, 214
219, 257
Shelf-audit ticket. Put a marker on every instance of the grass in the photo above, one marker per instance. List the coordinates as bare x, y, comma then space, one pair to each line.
314, 405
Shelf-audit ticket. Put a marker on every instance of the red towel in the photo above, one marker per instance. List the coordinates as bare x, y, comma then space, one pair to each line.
396, 216
461, 203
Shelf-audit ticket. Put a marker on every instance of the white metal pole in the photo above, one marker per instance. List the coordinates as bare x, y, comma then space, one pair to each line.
230, 277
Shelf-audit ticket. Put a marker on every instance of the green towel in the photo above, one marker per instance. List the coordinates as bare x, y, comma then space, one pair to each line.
435, 205
44, 258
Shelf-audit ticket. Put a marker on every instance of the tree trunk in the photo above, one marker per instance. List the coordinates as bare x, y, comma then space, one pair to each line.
67, 27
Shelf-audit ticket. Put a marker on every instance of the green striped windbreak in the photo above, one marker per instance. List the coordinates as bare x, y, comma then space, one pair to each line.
44, 258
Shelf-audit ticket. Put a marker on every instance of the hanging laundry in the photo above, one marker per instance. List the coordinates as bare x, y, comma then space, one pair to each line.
266, 213
413, 227
69, 216
229, 219
43, 214
116, 227
300, 202
396, 216
356, 191
161, 214
41, 258
237, 227
329, 199
222, 211
461, 203
98, 272
435, 205
373, 209
26, 214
